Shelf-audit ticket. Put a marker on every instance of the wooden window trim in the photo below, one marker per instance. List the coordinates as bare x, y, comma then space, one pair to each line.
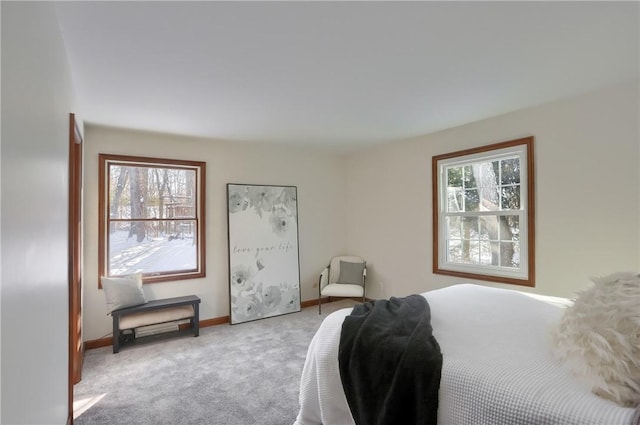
530, 280
165, 276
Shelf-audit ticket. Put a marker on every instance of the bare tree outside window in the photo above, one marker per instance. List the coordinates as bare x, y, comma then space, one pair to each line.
152, 217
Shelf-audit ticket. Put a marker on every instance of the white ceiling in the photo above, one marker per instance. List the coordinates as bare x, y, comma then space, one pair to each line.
339, 74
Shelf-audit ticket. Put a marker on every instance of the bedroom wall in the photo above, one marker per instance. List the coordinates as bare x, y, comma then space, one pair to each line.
319, 177
587, 200
37, 97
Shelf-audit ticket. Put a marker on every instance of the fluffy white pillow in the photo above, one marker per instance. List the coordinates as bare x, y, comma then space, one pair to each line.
121, 292
599, 338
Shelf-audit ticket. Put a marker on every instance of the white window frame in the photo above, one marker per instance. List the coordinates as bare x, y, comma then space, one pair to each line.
525, 273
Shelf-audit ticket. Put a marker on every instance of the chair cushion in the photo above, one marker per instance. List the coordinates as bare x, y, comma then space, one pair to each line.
351, 273
145, 318
342, 290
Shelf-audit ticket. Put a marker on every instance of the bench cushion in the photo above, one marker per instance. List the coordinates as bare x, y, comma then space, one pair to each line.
136, 320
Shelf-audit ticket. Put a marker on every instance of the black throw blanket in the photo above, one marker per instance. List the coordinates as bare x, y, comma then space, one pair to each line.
390, 362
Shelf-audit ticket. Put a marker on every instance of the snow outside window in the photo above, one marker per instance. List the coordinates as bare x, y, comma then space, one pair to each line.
483, 213
151, 218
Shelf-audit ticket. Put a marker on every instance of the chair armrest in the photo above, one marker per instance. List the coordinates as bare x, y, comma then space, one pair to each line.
324, 278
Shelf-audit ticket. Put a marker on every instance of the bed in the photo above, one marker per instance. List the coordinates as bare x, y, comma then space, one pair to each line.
497, 369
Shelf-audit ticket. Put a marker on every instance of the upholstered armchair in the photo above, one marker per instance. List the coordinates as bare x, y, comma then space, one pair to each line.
345, 276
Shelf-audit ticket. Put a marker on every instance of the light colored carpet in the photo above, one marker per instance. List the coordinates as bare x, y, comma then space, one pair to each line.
243, 374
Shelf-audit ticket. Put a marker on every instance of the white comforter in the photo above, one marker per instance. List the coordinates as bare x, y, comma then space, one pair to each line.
498, 367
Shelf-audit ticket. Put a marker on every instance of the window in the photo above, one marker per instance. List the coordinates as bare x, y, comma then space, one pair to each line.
151, 218
483, 213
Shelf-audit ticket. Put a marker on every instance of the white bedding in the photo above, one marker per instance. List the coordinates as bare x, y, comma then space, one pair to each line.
497, 369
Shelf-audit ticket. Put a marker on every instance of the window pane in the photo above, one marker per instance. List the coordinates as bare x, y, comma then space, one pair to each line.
510, 171
472, 252
471, 200
509, 227
495, 165
454, 177
470, 228
489, 228
152, 246
484, 173
150, 192
454, 251
495, 253
468, 177
119, 192
489, 253
510, 254
176, 209
128, 192
490, 198
485, 252
454, 199
511, 198
453, 228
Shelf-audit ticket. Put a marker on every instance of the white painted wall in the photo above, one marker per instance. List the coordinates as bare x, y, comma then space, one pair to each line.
377, 202
586, 152
319, 177
36, 102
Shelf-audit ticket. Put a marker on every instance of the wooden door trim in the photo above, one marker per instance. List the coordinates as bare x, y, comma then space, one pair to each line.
74, 260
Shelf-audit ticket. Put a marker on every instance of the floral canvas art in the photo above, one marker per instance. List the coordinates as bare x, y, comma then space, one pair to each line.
264, 274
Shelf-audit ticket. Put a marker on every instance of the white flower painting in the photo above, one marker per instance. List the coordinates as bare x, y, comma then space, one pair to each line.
264, 274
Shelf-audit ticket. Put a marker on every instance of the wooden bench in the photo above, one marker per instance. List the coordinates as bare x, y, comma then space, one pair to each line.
156, 311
